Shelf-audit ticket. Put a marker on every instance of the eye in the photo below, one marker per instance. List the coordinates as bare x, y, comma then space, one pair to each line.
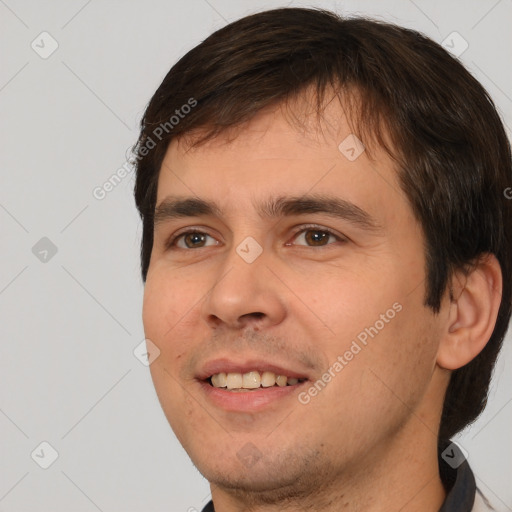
313, 236
192, 240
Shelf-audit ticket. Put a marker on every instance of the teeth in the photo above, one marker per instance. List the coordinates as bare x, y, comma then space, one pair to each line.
219, 380
268, 379
281, 380
234, 380
251, 380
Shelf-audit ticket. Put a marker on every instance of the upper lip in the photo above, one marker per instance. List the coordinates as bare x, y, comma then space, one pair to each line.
232, 366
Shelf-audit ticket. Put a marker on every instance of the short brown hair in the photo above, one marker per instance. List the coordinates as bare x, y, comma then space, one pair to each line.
453, 155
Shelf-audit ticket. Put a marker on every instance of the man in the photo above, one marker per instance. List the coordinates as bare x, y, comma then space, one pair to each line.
327, 253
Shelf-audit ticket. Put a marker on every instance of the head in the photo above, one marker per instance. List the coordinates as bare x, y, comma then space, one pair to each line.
252, 134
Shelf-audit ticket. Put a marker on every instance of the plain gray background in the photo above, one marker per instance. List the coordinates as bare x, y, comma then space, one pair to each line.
71, 319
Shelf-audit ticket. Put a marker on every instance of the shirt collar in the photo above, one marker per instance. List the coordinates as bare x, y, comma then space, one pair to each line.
457, 477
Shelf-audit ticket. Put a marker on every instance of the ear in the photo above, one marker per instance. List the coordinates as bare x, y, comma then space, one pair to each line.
473, 306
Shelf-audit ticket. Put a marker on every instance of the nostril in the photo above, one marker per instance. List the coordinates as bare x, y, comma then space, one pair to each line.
256, 315
214, 320
252, 320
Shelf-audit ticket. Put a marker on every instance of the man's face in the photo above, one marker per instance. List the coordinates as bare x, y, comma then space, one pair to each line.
291, 290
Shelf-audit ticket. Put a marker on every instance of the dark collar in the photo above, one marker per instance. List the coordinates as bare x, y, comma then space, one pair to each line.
209, 507
456, 475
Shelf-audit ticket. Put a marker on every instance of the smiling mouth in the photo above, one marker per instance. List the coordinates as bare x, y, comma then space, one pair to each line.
251, 381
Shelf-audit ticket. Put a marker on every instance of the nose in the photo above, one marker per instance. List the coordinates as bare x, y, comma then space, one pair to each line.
244, 295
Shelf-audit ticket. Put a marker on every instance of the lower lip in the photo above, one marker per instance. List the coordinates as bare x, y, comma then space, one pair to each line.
248, 401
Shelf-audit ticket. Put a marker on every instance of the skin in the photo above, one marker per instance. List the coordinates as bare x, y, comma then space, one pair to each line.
374, 427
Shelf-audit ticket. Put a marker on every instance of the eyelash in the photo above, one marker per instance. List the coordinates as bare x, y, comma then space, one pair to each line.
171, 244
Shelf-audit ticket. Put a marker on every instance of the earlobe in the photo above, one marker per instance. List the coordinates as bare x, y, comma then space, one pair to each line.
473, 309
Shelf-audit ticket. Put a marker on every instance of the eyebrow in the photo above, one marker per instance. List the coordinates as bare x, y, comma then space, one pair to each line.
182, 207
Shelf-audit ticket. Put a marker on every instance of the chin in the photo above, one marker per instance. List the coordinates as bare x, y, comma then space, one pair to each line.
234, 481
266, 485
274, 475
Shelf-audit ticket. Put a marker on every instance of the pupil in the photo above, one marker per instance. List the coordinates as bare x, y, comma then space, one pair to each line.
317, 237
195, 239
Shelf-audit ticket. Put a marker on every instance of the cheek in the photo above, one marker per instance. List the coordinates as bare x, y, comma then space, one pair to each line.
348, 306
168, 302
387, 340
169, 316
400, 360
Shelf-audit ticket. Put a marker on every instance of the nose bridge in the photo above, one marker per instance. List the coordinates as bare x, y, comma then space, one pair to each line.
244, 291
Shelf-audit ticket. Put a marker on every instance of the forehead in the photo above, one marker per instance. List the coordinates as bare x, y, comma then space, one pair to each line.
275, 154
279, 131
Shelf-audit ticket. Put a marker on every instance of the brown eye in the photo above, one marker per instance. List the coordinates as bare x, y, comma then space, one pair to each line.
193, 240
315, 237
